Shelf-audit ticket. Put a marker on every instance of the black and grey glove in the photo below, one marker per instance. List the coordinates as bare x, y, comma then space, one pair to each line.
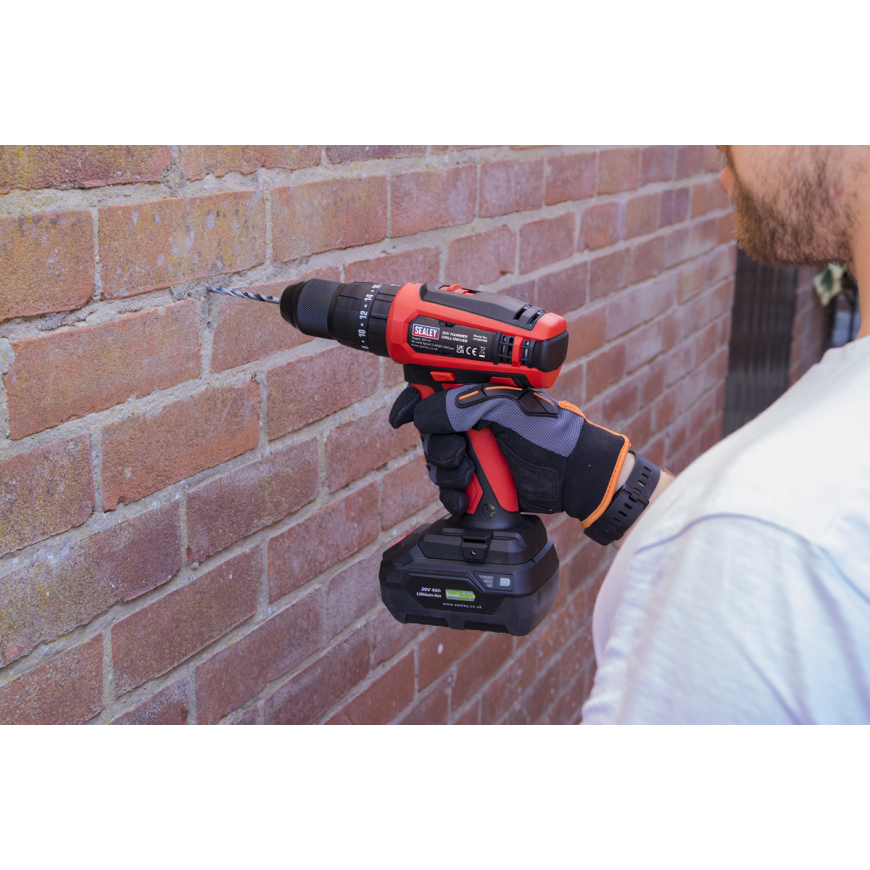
559, 460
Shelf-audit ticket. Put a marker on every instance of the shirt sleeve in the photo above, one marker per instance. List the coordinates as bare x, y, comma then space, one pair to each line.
733, 620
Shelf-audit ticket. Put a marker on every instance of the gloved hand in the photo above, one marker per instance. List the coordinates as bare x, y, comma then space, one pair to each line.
559, 460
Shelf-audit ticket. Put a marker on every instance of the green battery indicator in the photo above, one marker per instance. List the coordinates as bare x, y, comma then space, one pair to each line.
459, 595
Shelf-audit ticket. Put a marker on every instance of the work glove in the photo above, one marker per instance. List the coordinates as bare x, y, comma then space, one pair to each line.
559, 460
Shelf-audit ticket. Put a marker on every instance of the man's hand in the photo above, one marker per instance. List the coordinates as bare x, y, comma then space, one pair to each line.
559, 460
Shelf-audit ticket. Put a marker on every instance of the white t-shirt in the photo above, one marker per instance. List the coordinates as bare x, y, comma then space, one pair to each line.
743, 594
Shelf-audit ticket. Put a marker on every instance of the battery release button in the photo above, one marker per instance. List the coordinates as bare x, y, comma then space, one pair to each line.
504, 582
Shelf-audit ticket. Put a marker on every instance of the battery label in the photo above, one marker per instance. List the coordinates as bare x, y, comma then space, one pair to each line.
451, 593
434, 336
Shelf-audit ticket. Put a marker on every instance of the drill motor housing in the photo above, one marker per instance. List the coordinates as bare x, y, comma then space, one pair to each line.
493, 568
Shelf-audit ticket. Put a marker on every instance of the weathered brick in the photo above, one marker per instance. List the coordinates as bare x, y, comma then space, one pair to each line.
46, 263
431, 708
644, 345
699, 200
532, 706
69, 585
236, 674
48, 490
570, 177
674, 206
621, 402
321, 540
407, 489
327, 215
389, 636
524, 291
546, 241
351, 593
440, 649
716, 197
677, 246
618, 169
690, 281
313, 691
586, 331
714, 159
383, 700
158, 244
163, 634
469, 716
427, 200
647, 259
144, 454
482, 258
249, 498
30, 167
200, 160
657, 163
704, 236
511, 185
312, 387
726, 229
354, 153
506, 688
479, 665
641, 215
76, 372
66, 690
417, 266
608, 273
604, 368
599, 226
636, 306
571, 385
169, 706
359, 446
245, 332
565, 290
690, 160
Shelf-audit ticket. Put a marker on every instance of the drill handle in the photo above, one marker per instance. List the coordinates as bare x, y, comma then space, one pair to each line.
492, 493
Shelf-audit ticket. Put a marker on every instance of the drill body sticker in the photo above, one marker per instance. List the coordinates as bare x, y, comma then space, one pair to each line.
427, 335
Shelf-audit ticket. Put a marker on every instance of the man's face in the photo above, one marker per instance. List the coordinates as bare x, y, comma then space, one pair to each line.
793, 203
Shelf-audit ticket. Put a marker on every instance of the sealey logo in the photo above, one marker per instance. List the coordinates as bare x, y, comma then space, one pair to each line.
426, 331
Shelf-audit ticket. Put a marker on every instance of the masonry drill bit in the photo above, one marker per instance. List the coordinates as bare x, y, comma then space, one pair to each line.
243, 294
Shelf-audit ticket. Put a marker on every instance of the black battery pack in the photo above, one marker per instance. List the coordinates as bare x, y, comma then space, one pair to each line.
443, 573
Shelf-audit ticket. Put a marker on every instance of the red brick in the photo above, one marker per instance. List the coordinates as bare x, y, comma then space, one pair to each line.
511, 185
469, 716
351, 593
676, 246
507, 687
249, 498
647, 259
586, 332
68, 586
642, 215
565, 290
718, 264
313, 691
200, 160
674, 206
76, 372
653, 376
481, 258
245, 331
636, 306
66, 690
359, 446
30, 167
558, 628
639, 428
580, 653
163, 634
144, 454
327, 215
621, 402
407, 489
537, 699
566, 710
312, 387
609, 273
321, 540
657, 163
572, 385
664, 409
417, 266
643, 346
46, 491
169, 706
618, 169
546, 241
440, 649
604, 368
432, 708
428, 200
383, 700
690, 160
46, 263
158, 244
354, 153
690, 282
699, 200
599, 226
716, 197
714, 160
479, 665
389, 636
726, 229
524, 291
570, 177
236, 674
679, 362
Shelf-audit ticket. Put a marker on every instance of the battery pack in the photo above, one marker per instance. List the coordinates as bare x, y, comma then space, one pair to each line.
445, 574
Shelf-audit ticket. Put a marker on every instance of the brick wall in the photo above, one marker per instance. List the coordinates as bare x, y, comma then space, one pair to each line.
195, 496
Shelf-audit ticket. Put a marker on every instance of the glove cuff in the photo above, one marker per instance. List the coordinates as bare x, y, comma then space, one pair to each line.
592, 472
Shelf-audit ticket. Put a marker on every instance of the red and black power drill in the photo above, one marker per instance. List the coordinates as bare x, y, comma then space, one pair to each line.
493, 568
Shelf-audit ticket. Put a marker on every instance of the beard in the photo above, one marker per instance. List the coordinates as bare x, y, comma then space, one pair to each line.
797, 219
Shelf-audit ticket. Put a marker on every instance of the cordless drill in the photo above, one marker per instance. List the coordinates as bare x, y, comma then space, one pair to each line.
492, 568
